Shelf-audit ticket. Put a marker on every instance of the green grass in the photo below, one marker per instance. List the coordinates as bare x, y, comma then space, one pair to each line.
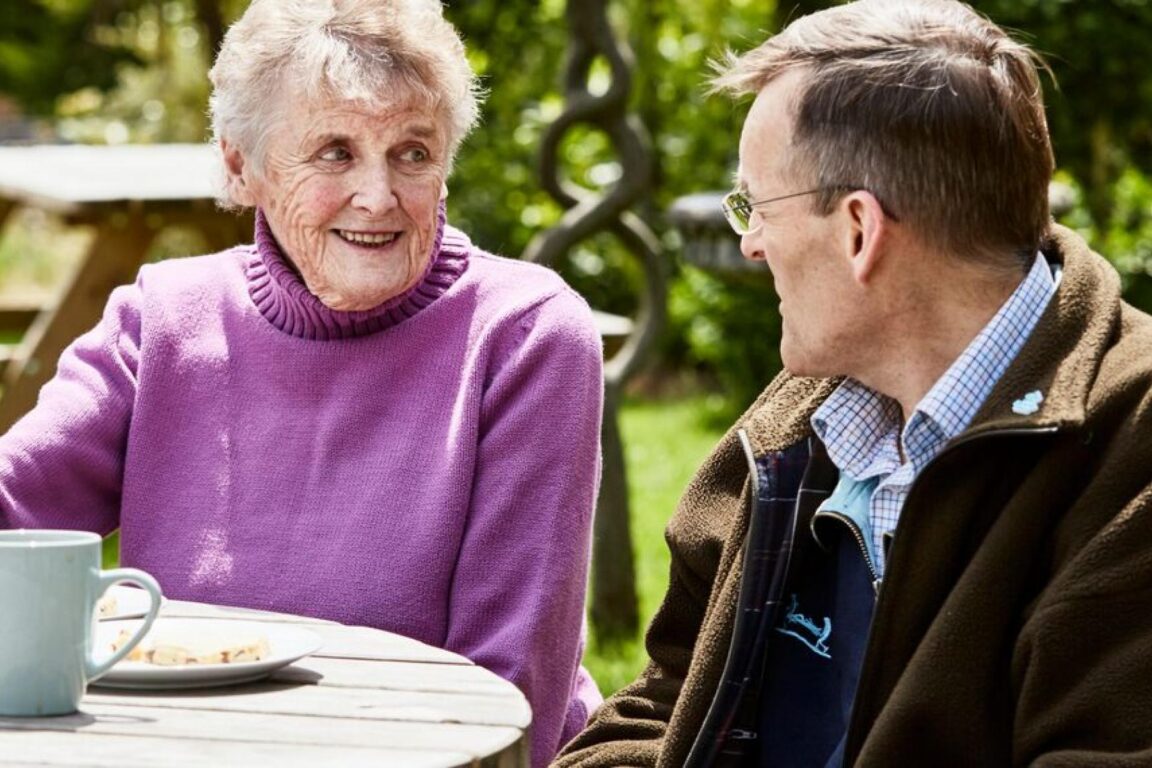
664, 443
111, 554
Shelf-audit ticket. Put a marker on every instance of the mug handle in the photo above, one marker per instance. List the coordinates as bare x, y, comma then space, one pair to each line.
94, 669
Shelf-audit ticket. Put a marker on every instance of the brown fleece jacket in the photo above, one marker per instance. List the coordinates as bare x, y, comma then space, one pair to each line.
1014, 626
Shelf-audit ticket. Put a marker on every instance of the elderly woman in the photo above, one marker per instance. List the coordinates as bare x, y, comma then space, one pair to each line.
361, 416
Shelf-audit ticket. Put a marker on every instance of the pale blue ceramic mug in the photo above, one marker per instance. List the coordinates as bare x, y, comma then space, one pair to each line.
50, 582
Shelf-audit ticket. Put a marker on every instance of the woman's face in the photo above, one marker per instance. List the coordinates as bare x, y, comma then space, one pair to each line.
351, 193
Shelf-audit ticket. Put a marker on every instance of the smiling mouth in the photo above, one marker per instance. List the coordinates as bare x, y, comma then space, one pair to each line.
370, 239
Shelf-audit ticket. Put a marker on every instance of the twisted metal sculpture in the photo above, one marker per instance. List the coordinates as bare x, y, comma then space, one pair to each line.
613, 604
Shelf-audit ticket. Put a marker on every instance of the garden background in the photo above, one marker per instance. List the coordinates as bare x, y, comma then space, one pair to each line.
133, 71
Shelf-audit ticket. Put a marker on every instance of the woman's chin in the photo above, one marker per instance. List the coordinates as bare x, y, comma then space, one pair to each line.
358, 300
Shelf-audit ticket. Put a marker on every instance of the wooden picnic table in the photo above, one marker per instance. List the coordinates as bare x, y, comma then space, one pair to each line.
128, 194
367, 697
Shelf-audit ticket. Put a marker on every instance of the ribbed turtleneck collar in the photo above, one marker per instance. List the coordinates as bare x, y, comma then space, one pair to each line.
285, 301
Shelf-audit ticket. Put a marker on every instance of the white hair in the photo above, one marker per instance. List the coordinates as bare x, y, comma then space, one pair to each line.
358, 50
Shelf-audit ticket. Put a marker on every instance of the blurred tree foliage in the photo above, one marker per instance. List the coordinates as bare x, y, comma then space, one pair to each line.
1100, 117
133, 70
52, 48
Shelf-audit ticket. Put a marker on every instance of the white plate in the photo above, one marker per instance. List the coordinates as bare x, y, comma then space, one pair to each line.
286, 644
131, 602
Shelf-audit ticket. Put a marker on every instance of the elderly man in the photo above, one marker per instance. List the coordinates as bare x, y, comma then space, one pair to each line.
929, 542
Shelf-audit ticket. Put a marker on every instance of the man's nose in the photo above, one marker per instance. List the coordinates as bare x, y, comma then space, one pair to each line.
750, 247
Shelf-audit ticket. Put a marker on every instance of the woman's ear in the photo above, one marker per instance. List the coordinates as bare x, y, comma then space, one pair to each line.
866, 233
237, 175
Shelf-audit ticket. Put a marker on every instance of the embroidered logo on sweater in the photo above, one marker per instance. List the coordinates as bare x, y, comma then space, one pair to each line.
805, 630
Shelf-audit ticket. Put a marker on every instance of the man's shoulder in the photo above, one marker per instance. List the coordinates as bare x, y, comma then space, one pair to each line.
781, 416
1125, 370
776, 421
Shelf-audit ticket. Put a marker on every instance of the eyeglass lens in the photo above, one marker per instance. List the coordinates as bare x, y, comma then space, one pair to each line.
738, 212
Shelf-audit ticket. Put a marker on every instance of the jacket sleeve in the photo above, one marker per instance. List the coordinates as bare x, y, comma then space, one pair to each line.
517, 597
631, 726
654, 720
1083, 661
62, 463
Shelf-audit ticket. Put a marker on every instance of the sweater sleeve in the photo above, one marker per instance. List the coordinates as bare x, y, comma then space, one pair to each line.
517, 599
62, 463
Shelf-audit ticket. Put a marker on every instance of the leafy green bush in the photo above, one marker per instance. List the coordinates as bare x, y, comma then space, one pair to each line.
135, 71
1125, 238
731, 328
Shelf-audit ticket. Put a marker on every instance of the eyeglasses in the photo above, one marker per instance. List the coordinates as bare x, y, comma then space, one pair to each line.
738, 209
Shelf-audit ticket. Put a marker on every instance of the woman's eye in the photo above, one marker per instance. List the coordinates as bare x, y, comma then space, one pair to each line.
334, 154
415, 155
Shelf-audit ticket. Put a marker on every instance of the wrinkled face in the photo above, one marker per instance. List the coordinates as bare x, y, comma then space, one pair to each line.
351, 193
800, 247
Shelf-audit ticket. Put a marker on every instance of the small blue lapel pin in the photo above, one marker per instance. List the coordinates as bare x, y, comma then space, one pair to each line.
1029, 404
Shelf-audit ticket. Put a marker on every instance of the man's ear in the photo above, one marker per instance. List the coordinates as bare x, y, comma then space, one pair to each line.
237, 175
865, 234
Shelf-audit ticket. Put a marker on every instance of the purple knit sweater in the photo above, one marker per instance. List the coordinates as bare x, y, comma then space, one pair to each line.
428, 467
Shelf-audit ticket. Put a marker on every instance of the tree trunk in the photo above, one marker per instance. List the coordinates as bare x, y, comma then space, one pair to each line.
615, 616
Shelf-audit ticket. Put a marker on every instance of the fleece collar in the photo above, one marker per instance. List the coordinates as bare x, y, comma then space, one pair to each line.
1060, 361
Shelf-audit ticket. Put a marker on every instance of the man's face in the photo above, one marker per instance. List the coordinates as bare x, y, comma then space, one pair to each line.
818, 300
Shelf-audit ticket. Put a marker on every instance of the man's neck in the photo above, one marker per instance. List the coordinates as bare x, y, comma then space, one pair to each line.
936, 326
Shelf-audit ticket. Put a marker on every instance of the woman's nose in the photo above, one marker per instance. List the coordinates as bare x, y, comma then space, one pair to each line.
374, 194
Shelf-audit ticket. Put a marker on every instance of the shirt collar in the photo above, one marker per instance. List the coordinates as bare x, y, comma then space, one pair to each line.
854, 422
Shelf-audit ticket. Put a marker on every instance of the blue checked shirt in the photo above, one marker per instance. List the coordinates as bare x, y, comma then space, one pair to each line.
861, 427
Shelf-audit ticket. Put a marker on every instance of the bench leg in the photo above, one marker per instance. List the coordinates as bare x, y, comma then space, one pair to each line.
113, 258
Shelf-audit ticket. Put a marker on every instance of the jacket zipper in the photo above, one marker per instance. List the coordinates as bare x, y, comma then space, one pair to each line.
853, 724
858, 535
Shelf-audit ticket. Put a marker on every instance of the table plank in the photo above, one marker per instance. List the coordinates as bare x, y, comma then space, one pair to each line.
63, 178
504, 708
25, 749
184, 609
395, 675
245, 728
368, 643
322, 710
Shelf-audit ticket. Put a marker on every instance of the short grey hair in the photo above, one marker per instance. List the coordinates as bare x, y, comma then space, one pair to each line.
359, 50
925, 103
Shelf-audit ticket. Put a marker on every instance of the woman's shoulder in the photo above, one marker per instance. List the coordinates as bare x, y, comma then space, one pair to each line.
508, 281
184, 274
